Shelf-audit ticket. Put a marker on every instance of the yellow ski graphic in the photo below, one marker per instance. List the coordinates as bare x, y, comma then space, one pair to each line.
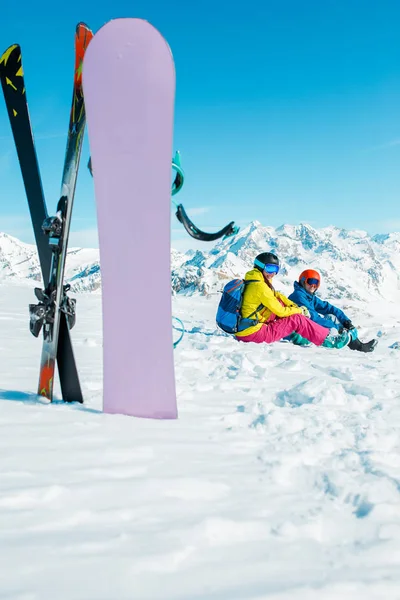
9, 82
6, 54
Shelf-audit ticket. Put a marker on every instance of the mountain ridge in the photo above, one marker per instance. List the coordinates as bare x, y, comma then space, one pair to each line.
353, 264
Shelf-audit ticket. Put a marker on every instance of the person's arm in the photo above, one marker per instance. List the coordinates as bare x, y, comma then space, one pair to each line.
325, 308
325, 322
303, 299
270, 301
286, 301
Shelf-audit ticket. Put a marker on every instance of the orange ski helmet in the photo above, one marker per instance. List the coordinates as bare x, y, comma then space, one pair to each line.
311, 277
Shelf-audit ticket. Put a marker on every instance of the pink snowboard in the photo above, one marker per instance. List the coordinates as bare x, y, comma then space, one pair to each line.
129, 89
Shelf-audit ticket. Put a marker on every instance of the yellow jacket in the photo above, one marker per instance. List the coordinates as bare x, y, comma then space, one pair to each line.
260, 293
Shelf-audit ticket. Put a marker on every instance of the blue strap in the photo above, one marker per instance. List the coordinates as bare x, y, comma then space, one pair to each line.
182, 330
246, 322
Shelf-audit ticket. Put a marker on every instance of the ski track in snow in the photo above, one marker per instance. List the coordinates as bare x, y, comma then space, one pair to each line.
280, 479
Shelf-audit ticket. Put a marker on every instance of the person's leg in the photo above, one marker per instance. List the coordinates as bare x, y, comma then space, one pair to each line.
330, 339
297, 340
304, 327
280, 328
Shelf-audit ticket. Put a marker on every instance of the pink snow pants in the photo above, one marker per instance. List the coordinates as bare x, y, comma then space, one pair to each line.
280, 328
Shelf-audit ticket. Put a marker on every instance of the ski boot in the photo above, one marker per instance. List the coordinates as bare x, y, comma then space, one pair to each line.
363, 346
338, 341
298, 340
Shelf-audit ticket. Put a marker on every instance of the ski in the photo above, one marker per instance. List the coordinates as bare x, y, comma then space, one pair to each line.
53, 300
13, 85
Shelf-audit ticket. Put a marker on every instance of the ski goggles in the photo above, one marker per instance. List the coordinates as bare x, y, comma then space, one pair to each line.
267, 268
313, 281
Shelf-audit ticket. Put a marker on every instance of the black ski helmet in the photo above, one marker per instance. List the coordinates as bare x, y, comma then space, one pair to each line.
265, 258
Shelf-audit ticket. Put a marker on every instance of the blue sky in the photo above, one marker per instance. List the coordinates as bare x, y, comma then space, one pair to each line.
285, 112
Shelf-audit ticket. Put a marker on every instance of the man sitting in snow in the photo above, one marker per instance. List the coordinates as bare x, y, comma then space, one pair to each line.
333, 317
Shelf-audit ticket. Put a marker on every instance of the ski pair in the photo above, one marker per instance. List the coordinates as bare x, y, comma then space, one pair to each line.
55, 311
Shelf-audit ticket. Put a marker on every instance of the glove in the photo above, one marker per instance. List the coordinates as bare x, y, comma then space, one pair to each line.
348, 325
305, 311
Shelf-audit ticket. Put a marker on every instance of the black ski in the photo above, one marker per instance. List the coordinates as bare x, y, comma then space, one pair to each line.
12, 81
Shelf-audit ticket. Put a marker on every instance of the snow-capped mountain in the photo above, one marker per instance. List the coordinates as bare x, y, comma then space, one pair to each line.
19, 261
353, 264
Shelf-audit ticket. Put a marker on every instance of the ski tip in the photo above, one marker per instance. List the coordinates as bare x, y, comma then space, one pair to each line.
15, 48
82, 25
83, 36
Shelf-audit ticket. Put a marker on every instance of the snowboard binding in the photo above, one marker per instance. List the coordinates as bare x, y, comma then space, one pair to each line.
176, 165
179, 177
198, 234
193, 231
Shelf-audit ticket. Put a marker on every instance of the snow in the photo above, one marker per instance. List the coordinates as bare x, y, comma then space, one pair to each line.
280, 479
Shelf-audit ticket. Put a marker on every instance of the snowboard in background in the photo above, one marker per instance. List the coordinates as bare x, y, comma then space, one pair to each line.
13, 84
129, 88
53, 300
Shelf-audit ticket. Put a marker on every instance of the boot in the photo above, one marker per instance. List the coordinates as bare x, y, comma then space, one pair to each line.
337, 341
298, 340
361, 346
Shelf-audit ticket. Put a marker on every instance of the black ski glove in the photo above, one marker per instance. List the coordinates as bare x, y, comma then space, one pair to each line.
348, 325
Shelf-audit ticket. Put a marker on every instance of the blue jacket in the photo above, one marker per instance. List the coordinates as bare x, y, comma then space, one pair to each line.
316, 307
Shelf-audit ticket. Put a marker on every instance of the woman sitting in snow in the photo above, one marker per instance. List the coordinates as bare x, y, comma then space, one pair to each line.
275, 316
333, 317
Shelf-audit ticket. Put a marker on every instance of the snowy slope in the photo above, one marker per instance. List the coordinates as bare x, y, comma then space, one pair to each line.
279, 481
